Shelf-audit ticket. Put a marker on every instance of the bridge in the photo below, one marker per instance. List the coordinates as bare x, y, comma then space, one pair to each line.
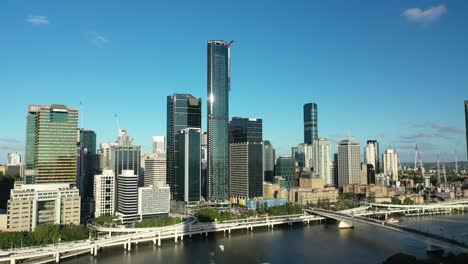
134, 236
348, 219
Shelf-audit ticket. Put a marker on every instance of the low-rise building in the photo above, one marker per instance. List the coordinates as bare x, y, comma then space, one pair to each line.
311, 183
379, 191
153, 201
270, 190
34, 204
306, 196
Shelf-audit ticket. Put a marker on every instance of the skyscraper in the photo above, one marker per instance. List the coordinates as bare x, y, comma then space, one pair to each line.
372, 154
322, 160
243, 130
285, 167
188, 165
310, 123
14, 158
125, 155
304, 155
246, 170
104, 193
183, 111
127, 196
159, 144
391, 164
218, 119
51, 144
349, 162
269, 157
88, 166
155, 170
466, 124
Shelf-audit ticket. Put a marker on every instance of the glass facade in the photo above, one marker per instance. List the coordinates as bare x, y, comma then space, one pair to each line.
269, 157
51, 144
183, 111
310, 123
218, 120
285, 168
88, 141
125, 156
246, 175
243, 130
188, 165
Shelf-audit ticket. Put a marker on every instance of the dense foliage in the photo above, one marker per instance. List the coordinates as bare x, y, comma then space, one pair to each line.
347, 201
43, 235
211, 215
159, 222
287, 209
107, 220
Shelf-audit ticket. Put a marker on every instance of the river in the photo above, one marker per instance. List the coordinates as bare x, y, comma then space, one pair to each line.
316, 243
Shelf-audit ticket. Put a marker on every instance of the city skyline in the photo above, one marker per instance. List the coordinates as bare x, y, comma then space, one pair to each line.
423, 104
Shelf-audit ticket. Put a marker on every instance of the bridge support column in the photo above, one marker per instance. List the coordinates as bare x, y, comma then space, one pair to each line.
229, 231
345, 225
206, 234
129, 245
175, 236
110, 233
95, 251
181, 237
57, 257
12, 260
159, 239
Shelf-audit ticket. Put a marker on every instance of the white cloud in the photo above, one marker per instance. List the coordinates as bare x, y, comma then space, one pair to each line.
98, 39
425, 16
37, 20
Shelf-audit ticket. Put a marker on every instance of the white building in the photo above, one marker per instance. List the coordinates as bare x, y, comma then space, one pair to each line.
104, 193
372, 154
14, 158
106, 153
391, 164
153, 201
34, 204
349, 162
322, 161
127, 196
304, 154
155, 170
159, 144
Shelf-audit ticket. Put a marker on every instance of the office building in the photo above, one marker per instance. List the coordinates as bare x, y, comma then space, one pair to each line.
188, 165
285, 168
204, 164
391, 164
466, 124
183, 111
155, 170
246, 170
364, 173
51, 144
303, 154
105, 154
31, 205
269, 157
335, 170
370, 174
349, 162
322, 160
104, 193
13, 158
127, 196
125, 155
372, 154
243, 130
153, 201
218, 119
159, 144
310, 123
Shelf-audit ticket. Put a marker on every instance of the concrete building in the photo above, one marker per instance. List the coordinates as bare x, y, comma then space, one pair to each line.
311, 183
364, 173
159, 144
246, 170
305, 196
322, 160
51, 144
13, 158
105, 155
349, 162
379, 191
372, 154
303, 154
271, 190
153, 201
127, 196
104, 193
34, 204
391, 164
155, 170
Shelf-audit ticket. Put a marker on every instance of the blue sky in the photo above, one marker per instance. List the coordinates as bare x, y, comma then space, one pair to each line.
395, 71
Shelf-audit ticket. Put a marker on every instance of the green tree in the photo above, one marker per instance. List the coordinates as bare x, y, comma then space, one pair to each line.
371, 197
408, 201
395, 200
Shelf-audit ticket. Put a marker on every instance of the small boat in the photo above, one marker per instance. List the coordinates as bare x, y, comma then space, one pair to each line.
221, 247
392, 221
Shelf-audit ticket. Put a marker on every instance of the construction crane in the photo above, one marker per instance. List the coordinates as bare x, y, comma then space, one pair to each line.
456, 162
418, 158
229, 64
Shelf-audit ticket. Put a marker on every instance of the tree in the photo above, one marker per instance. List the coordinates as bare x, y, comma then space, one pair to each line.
395, 200
371, 197
408, 201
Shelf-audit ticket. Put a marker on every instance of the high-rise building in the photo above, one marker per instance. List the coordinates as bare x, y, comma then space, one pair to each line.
310, 123
51, 144
159, 144
31, 205
155, 170
269, 157
335, 170
13, 158
105, 154
243, 130
285, 167
303, 154
125, 155
183, 111
204, 164
127, 196
218, 119
349, 162
372, 154
370, 174
188, 165
246, 174
104, 193
322, 160
87, 167
153, 201
466, 124
391, 164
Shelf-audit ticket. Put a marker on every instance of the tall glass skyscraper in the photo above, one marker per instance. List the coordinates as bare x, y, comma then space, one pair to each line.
269, 157
188, 165
285, 167
51, 139
243, 130
125, 155
310, 123
218, 119
183, 111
